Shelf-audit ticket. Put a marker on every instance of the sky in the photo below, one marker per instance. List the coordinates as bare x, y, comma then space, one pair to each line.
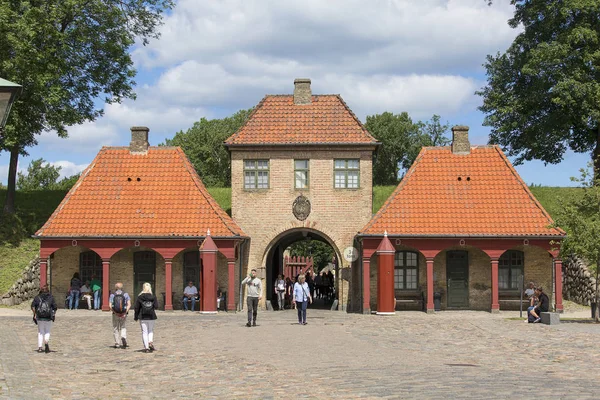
217, 57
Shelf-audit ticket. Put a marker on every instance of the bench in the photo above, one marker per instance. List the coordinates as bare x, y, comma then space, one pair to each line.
550, 318
512, 301
410, 300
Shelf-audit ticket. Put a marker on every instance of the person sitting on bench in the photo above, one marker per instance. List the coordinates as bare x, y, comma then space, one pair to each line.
543, 305
86, 294
190, 293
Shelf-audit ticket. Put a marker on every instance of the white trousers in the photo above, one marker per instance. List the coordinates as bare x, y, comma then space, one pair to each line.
43, 332
89, 300
147, 331
119, 329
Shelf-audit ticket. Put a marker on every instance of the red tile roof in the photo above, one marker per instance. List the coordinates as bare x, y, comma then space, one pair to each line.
490, 199
157, 194
277, 120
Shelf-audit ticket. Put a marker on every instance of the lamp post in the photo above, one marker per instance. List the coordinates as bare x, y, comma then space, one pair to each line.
9, 92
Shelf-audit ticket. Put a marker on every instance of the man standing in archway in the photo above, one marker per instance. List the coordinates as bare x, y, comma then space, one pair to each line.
254, 295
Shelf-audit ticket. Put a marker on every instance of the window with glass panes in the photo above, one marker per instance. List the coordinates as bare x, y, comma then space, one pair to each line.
346, 174
510, 270
406, 270
90, 265
301, 174
256, 174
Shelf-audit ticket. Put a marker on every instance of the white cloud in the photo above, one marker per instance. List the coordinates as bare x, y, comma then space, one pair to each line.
68, 168
87, 137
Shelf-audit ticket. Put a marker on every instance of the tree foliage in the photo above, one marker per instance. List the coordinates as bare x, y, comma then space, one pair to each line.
203, 144
321, 252
543, 94
67, 54
401, 140
42, 175
580, 218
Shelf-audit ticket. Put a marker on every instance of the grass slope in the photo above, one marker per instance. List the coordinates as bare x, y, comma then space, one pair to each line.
13, 260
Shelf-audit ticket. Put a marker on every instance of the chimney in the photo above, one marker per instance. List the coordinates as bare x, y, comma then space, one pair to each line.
460, 140
302, 93
139, 140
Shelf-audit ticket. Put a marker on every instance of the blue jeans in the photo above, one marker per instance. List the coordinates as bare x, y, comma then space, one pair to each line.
74, 295
185, 303
301, 307
97, 297
530, 317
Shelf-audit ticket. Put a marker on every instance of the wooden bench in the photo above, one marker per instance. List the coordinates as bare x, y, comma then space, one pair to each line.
512, 301
410, 300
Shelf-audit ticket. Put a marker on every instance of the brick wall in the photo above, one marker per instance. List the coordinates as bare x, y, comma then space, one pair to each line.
265, 215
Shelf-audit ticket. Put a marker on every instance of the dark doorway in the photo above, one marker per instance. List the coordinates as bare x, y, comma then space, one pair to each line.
457, 276
192, 271
144, 270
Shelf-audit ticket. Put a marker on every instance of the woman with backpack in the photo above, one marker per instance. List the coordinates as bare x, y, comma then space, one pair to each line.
44, 311
145, 307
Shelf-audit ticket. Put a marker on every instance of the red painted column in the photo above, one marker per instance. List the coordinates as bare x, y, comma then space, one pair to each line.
430, 305
105, 284
208, 252
558, 306
168, 284
231, 285
366, 306
43, 272
386, 300
495, 302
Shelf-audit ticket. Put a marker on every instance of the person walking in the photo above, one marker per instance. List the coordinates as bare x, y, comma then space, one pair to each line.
253, 296
280, 292
301, 298
74, 291
145, 312
120, 303
44, 312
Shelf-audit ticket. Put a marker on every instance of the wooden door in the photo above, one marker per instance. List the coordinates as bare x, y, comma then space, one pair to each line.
457, 276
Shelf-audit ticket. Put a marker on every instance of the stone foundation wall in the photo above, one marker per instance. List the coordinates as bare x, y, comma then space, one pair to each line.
26, 287
579, 284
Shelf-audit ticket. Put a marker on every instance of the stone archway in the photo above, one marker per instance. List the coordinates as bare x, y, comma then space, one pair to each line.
273, 257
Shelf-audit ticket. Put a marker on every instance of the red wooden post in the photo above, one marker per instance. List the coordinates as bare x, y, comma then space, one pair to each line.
231, 285
430, 306
558, 306
386, 300
168, 284
495, 302
43, 272
366, 306
208, 252
105, 284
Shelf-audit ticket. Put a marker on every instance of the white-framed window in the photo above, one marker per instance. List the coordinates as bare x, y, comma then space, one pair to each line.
406, 270
301, 174
346, 173
256, 174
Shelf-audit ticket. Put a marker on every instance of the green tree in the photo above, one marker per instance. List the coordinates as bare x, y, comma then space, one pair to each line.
395, 132
430, 133
66, 183
321, 252
580, 218
40, 176
203, 144
543, 94
67, 54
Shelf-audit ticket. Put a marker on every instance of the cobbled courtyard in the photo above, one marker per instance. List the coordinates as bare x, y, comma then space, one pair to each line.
337, 355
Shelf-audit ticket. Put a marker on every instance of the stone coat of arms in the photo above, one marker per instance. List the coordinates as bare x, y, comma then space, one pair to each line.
301, 208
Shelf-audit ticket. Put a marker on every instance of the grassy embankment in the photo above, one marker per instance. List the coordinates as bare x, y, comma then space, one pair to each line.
34, 208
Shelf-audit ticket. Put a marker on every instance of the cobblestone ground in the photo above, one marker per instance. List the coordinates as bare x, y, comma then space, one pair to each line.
337, 355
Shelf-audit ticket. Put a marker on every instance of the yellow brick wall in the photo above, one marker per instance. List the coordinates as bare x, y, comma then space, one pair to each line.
264, 215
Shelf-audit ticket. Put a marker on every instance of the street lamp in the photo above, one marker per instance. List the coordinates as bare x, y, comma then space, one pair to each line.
9, 92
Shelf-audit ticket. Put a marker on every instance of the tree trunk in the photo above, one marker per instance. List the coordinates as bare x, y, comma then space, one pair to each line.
596, 155
9, 204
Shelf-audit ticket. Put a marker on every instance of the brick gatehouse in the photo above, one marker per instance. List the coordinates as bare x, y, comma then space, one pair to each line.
461, 226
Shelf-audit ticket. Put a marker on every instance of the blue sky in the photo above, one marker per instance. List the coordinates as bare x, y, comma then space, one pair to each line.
214, 58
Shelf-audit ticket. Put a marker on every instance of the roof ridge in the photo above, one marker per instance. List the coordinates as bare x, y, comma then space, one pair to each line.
237, 133
392, 197
72, 191
356, 118
524, 186
210, 200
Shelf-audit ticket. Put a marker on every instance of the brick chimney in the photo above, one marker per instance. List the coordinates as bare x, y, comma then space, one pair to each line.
139, 140
460, 140
302, 92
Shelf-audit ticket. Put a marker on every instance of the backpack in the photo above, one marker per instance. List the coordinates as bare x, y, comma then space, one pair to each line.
147, 308
44, 310
119, 303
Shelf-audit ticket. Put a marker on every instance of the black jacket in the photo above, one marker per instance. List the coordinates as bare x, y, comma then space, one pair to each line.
38, 300
138, 306
544, 305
